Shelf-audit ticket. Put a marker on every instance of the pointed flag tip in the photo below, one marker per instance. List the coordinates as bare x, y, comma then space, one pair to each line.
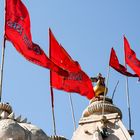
50, 29
124, 36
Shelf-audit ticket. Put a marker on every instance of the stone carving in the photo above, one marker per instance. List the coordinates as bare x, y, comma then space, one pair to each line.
96, 106
94, 125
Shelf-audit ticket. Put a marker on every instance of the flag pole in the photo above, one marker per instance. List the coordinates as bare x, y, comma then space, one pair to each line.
108, 72
128, 102
51, 89
2, 67
2, 57
52, 106
127, 94
114, 90
72, 111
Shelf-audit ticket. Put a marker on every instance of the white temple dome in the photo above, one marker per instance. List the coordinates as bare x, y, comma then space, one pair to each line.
12, 128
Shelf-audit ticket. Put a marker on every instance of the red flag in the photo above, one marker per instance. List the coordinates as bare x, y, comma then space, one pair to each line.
130, 58
17, 30
114, 63
77, 81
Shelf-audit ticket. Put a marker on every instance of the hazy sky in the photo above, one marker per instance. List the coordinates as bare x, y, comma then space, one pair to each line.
87, 29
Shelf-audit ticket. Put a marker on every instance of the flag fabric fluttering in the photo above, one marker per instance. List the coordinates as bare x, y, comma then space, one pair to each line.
77, 81
114, 63
130, 58
17, 31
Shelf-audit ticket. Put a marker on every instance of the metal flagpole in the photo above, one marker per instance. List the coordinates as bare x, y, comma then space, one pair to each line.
2, 58
72, 111
128, 101
106, 85
127, 94
2, 67
115, 90
51, 89
52, 105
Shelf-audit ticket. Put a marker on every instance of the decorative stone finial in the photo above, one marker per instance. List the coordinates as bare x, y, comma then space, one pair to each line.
5, 110
11, 116
6, 107
24, 120
18, 119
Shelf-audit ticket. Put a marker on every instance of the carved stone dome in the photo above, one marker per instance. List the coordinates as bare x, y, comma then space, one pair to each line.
96, 105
